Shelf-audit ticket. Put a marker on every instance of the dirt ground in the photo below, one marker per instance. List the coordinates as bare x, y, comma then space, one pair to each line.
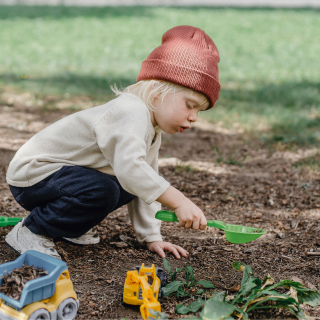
230, 176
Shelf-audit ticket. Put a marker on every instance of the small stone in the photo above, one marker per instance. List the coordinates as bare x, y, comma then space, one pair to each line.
280, 235
271, 202
293, 223
119, 244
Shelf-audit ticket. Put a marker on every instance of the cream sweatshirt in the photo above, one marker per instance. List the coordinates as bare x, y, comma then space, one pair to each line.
116, 138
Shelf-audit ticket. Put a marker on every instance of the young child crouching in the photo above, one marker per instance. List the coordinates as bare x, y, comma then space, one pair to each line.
75, 172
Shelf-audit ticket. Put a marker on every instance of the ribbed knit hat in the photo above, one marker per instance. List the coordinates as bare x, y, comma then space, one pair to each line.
188, 57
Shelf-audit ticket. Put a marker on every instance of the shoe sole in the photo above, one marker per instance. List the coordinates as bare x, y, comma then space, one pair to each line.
94, 241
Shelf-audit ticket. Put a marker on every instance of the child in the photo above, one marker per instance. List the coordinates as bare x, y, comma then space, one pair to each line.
75, 172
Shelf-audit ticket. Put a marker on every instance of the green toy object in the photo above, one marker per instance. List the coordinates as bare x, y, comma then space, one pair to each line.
234, 233
9, 221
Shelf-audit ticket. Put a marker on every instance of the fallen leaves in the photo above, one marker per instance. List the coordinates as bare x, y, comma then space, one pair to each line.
13, 283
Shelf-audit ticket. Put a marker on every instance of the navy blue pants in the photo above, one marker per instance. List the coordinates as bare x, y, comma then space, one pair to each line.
70, 201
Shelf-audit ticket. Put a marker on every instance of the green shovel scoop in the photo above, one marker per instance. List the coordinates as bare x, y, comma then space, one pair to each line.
9, 221
234, 233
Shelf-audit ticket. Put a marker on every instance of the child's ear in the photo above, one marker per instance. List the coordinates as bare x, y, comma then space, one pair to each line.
157, 97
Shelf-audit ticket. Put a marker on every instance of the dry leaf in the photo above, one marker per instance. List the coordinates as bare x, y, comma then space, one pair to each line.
236, 287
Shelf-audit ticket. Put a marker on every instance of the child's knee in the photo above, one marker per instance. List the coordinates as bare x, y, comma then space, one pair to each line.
104, 194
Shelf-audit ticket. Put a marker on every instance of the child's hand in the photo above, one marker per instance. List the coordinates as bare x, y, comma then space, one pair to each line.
160, 246
189, 215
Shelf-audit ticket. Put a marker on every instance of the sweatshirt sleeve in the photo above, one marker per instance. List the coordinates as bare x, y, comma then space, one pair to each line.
122, 138
142, 216
145, 225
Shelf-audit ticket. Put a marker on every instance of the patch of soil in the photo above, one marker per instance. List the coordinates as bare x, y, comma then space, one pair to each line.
237, 181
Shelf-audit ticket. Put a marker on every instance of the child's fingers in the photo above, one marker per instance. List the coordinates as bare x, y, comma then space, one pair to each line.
182, 251
182, 224
200, 223
159, 247
174, 251
203, 222
195, 224
159, 251
188, 224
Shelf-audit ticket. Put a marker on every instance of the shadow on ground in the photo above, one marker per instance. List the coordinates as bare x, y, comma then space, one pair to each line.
291, 110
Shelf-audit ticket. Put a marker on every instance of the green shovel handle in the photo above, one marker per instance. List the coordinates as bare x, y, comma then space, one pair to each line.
166, 216
171, 217
9, 221
217, 224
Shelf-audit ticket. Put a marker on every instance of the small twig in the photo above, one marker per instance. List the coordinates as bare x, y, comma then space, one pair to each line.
313, 253
286, 257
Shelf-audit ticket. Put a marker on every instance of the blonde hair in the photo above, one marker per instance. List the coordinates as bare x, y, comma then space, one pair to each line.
148, 90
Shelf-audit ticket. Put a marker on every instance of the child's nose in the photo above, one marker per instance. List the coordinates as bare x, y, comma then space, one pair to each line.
193, 117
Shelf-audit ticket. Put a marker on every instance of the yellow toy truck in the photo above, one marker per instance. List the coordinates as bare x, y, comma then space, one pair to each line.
143, 287
50, 297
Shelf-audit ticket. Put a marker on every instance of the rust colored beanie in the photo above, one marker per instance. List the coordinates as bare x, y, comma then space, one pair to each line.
188, 57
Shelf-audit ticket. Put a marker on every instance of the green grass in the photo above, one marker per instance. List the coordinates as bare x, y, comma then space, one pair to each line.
312, 162
269, 68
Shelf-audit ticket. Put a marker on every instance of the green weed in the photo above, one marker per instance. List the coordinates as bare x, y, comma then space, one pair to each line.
179, 287
232, 159
254, 294
181, 169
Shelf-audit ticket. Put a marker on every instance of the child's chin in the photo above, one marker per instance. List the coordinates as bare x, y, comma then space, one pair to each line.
169, 131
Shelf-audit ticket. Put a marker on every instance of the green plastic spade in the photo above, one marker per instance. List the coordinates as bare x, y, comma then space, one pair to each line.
234, 233
9, 221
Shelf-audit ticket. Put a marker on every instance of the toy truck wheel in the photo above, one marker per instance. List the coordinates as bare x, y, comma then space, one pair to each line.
163, 282
40, 314
67, 309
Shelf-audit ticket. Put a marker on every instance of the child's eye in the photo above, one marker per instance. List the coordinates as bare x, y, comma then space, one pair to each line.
188, 106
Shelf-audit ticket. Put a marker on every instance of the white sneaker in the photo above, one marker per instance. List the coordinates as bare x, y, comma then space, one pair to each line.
89, 237
21, 239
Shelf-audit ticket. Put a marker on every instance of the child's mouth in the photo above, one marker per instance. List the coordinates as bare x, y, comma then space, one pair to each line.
183, 128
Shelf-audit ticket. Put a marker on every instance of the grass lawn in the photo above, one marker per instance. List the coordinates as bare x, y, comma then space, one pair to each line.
269, 68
